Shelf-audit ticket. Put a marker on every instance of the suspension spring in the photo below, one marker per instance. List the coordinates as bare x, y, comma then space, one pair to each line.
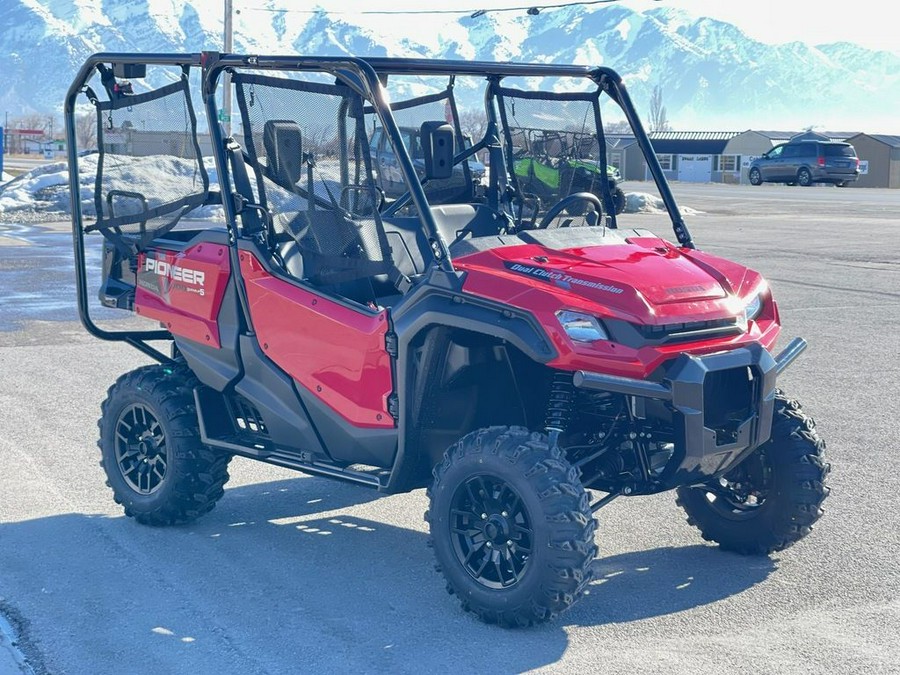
560, 404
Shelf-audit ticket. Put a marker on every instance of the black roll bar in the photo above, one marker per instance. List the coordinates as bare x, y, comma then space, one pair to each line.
137, 339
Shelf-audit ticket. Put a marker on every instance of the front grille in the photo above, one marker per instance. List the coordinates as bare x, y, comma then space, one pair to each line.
683, 332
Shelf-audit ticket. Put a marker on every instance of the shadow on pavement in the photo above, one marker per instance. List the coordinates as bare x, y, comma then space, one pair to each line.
278, 575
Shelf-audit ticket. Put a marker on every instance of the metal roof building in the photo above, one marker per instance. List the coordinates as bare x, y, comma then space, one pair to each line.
879, 158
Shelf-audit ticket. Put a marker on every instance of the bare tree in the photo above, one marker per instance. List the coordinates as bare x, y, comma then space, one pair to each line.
620, 127
473, 124
658, 119
86, 130
33, 121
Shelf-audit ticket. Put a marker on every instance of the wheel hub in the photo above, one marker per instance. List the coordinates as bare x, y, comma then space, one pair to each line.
496, 529
740, 493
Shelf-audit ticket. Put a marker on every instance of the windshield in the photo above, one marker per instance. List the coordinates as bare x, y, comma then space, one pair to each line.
526, 145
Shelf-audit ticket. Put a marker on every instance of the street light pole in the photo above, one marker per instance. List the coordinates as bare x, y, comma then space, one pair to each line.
226, 80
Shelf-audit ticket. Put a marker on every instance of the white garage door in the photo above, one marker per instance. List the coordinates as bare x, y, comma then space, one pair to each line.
695, 168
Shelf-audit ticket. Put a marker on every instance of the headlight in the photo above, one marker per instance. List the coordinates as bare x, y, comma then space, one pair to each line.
581, 327
753, 308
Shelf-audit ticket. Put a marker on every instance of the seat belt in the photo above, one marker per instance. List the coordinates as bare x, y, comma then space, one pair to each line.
250, 218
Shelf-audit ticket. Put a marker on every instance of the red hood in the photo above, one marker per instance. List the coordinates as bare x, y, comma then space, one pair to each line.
642, 279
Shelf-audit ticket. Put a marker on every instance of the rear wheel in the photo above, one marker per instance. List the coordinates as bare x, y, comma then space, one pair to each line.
511, 526
804, 177
770, 500
755, 177
150, 447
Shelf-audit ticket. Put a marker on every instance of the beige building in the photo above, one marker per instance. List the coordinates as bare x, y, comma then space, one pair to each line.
879, 158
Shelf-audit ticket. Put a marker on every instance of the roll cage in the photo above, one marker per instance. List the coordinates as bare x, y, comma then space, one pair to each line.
362, 86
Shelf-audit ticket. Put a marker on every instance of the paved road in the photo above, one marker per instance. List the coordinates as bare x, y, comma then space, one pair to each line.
292, 573
23, 163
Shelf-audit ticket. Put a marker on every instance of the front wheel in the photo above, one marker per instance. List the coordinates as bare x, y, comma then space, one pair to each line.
755, 177
158, 469
770, 500
511, 526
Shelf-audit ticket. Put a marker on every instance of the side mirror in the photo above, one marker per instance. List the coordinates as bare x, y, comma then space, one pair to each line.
284, 151
437, 149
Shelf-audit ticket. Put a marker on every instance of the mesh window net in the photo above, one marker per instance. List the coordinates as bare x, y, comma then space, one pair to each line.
150, 172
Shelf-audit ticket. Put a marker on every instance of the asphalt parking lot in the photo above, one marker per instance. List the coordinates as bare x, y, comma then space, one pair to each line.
299, 574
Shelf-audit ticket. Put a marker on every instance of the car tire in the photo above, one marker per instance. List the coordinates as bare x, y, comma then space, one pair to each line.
158, 468
511, 526
785, 478
755, 177
804, 177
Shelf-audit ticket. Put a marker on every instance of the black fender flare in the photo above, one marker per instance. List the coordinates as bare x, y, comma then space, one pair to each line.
440, 301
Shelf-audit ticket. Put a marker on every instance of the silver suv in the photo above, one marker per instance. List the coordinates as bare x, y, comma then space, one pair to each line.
805, 163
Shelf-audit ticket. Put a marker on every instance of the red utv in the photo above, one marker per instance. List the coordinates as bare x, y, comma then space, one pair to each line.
506, 354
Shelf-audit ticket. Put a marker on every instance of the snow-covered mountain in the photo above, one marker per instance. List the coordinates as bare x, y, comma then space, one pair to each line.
713, 76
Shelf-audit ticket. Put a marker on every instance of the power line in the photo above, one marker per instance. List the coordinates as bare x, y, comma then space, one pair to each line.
473, 13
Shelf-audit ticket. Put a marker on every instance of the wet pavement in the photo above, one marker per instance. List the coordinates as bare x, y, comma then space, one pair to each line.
293, 573
38, 272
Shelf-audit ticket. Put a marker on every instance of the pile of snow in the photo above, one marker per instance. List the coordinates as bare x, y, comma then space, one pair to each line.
644, 202
5, 178
44, 191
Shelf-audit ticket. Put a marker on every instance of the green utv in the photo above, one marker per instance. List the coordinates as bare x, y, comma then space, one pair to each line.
551, 164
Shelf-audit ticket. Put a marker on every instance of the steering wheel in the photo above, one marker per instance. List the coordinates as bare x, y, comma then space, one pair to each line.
566, 202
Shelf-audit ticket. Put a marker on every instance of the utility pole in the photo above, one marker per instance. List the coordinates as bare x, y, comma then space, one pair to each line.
226, 79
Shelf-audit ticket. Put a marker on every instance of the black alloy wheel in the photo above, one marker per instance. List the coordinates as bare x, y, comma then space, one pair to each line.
755, 177
491, 531
150, 448
742, 491
141, 452
511, 526
772, 499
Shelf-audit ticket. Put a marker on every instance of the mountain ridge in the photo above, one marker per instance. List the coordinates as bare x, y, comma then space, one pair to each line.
712, 75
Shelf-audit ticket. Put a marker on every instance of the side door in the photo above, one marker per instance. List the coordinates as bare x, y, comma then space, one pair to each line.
769, 165
335, 351
792, 160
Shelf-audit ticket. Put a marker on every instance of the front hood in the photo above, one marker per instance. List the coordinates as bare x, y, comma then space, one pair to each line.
643, 279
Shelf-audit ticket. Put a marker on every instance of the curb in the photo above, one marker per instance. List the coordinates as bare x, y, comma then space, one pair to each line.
12, 661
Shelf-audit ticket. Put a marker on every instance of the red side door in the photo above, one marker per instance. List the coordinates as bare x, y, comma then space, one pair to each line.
335, 351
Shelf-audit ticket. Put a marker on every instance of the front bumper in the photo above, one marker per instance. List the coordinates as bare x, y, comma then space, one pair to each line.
710, 436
